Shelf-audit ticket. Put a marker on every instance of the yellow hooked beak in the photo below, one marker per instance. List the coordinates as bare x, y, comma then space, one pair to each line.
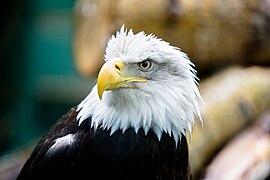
110, 77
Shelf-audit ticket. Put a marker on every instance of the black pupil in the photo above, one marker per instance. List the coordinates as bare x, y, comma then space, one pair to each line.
145, 64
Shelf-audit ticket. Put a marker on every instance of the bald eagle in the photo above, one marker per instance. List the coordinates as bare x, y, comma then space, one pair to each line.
133, 123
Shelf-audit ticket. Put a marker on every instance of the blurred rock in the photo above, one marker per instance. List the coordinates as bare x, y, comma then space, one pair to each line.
247, 156
233, 99
213, 33
93, 21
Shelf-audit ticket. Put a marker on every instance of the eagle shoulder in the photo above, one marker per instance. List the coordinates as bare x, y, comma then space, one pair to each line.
59, 143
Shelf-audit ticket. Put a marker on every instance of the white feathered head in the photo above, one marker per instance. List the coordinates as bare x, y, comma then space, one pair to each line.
144, 83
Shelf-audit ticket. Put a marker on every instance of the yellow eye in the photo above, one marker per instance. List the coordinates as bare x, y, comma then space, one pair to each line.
145, 65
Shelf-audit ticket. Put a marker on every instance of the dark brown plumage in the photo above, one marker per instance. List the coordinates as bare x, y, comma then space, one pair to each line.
97, 155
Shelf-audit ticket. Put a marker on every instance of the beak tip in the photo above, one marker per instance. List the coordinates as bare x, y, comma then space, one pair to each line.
100, 97
100, 93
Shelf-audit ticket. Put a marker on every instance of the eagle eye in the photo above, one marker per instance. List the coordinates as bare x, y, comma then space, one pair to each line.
145, 65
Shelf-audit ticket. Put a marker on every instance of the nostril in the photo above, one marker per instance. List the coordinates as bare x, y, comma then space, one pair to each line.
117, 67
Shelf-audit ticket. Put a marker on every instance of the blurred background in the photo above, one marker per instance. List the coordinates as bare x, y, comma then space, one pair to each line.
51, 52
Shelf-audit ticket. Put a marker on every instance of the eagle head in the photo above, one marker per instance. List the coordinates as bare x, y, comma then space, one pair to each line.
144, 83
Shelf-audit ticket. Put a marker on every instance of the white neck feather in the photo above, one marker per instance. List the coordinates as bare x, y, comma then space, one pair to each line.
172, 112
